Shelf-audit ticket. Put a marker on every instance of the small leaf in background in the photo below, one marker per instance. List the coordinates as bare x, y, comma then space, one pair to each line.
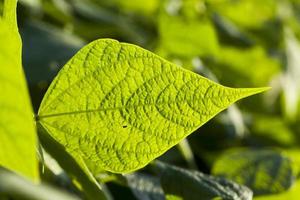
185, 32
250, 66
263, 171
131, 104
246, 13
293, 192
270, 130
18, 136
193, 185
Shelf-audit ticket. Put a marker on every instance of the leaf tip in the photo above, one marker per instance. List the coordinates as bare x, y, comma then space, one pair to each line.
259, 90
246, 92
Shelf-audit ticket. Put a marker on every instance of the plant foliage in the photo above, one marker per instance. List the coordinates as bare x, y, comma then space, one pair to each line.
146, 118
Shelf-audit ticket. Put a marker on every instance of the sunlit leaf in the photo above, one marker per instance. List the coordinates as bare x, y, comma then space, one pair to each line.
17, 132
118, 106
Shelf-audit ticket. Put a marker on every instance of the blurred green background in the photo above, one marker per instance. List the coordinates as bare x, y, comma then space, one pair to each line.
238, 43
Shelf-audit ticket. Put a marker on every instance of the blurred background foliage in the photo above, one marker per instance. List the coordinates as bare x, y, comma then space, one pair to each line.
239, 43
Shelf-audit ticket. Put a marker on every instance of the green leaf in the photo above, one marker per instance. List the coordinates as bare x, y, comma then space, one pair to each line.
9, 14
291, 82
184, 31
118, 106
246, 13
270, 130
192, 185
231, 64
264, 171
187, 38
17, 131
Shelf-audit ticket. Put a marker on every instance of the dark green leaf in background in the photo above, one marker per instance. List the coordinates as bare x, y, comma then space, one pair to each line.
18, 135
145, 187
263, 171
193, 185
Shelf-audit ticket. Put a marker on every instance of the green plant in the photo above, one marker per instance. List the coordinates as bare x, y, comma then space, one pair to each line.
116, 107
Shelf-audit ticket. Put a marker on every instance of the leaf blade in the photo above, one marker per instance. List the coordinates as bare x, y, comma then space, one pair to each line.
17, 131
129, 103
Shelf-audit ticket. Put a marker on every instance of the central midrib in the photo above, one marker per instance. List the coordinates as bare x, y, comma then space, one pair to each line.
110, 109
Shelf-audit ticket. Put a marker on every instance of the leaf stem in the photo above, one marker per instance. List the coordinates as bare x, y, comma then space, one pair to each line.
187, 153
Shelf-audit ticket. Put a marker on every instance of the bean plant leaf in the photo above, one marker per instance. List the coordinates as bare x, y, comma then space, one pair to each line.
17, 132
191, 184
185, 32
264, 171
118, 106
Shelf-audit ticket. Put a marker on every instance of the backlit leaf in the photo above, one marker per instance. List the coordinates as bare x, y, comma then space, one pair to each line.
117, 106
17, 132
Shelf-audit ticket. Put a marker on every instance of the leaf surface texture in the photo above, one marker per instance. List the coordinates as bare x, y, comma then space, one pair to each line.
118, 106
